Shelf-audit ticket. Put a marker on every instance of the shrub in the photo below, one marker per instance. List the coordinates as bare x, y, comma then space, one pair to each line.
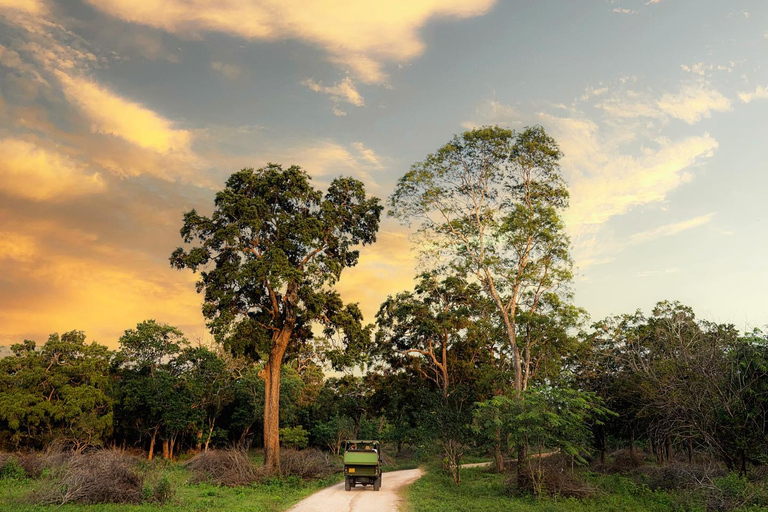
160, 491
307, 463
230, 468
103, 476
10, 468
554, 476
294, 437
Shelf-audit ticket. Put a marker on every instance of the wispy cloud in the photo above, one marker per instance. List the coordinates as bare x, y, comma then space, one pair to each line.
110, 113
760, 93
341, 92
657, 273
32, 172
694, 102
671, 229
230, 71
361, 36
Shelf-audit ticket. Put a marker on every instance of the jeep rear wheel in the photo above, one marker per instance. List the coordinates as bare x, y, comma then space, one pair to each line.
347, 484
377, 484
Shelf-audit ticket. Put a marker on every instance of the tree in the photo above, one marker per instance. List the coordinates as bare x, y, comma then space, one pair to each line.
488, 204
268, 258
423, 328
149, 398
58, 392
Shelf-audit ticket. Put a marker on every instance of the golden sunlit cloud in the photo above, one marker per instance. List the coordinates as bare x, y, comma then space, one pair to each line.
28, 6
29, 171
112, 114
385, 268
360, 35
17, 247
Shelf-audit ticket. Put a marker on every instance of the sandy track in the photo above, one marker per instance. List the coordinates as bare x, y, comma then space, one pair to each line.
336, 499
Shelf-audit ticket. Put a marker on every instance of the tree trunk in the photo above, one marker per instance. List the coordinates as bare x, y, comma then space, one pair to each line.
522, 465
272, 400
497, 455
166, 451
152, 445
208, 439
199, 442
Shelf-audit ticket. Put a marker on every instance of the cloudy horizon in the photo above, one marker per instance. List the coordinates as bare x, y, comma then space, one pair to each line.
116, 116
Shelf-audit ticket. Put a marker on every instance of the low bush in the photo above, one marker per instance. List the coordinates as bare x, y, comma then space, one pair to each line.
553, 476
103, 476
230, 468
307, 463
10, 467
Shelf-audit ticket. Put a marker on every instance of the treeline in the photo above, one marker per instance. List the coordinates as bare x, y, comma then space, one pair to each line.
159, 393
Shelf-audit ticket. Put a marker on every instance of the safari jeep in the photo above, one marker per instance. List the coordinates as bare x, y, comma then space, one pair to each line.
362, 464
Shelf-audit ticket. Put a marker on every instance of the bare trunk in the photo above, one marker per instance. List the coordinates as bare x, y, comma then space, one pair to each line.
497, 455
522, 465
152, 445
199, 442
166, 451
208, 439
272, 401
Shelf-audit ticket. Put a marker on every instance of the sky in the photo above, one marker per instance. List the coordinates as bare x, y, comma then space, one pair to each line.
116, 116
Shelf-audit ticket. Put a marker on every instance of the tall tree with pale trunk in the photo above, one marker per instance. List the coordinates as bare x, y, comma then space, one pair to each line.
489, 205
268, 258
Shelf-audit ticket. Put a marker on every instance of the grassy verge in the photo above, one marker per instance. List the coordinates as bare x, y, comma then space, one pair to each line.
274, 495
484, 491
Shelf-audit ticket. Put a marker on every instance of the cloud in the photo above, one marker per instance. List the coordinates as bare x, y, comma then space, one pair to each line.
229, 71
361, 35
693, 103
27, 6
656, 273
671, 229
624, 11
112, 114
367, 154
344, 91
27, 170
16, 247
760, 93
385, 268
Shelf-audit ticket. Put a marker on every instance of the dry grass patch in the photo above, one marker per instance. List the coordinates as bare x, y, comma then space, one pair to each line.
230, 468
103, 476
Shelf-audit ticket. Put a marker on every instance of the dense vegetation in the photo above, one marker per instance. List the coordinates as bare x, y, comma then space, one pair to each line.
487, 354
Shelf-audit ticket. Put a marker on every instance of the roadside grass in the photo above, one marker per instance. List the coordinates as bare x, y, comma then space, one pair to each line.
484, 491
272, 495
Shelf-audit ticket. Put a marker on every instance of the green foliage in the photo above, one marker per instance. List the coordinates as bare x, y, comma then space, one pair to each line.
270, 252
11, 469
58, 392
544, 418
294, 437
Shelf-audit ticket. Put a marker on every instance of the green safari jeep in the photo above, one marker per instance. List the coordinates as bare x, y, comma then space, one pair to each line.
362, 463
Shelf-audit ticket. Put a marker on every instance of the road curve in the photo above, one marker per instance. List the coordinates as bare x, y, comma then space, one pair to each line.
336, 499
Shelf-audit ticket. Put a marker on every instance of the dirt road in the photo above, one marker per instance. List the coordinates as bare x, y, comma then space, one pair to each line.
336, 499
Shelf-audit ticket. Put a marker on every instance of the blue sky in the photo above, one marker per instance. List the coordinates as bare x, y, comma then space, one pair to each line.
118, 115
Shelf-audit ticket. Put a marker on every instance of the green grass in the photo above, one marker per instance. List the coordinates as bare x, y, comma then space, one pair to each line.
484, 491
274, 495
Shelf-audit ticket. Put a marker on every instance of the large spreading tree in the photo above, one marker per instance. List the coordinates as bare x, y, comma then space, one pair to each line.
268, 258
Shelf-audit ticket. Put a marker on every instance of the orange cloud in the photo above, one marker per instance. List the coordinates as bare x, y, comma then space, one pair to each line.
360, 35
112, 114
28, 6
385, 268
32, 172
